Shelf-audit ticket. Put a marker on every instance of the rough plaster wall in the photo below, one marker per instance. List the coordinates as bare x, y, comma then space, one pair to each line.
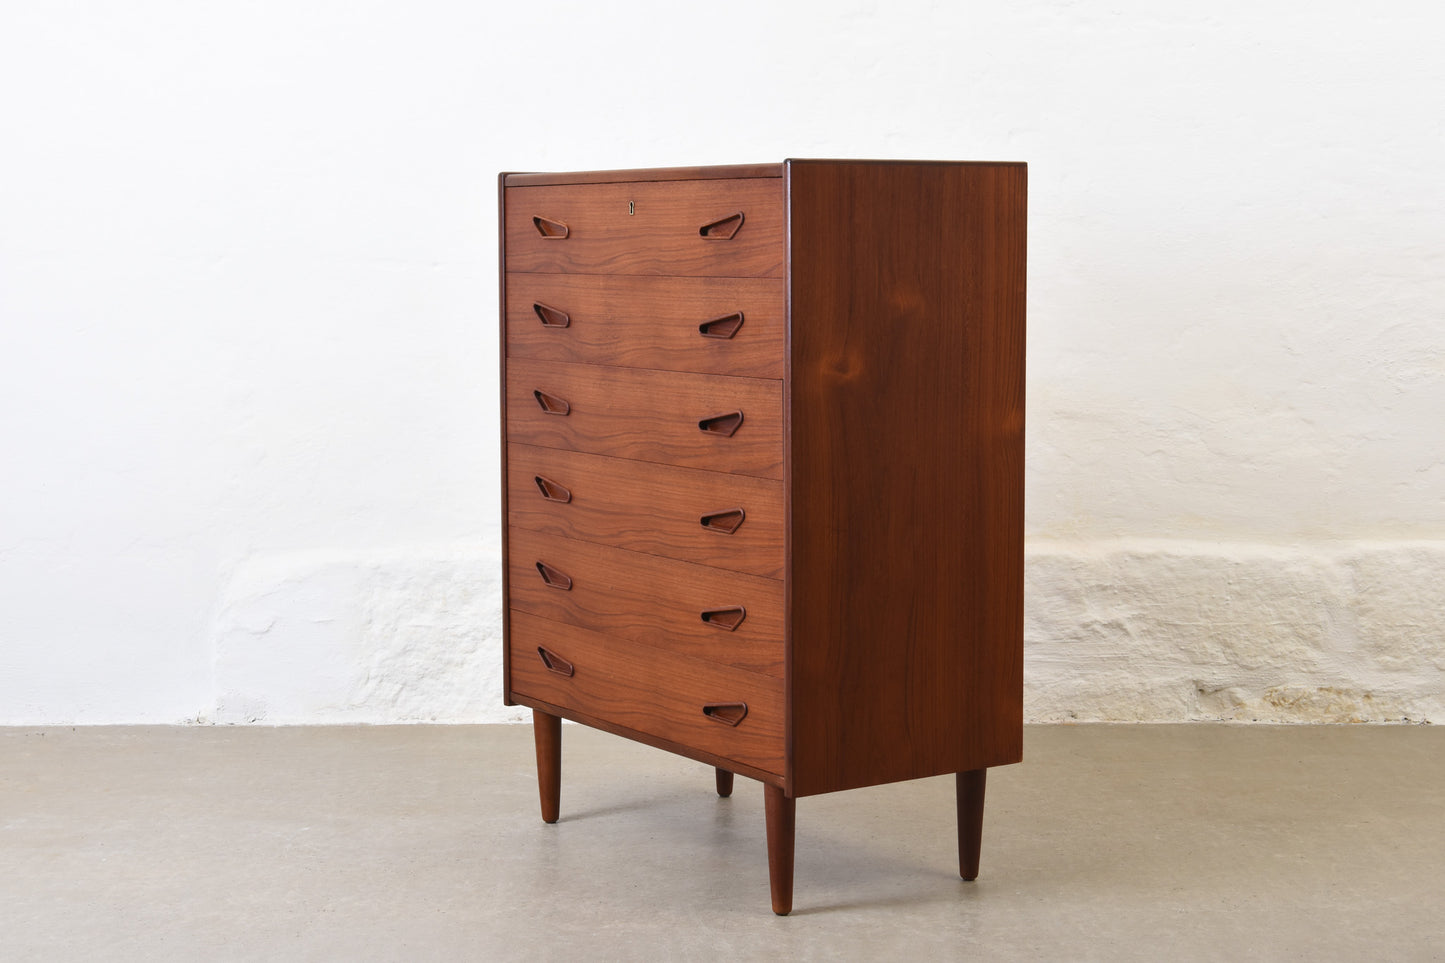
248, 449
1155, 630
379, 638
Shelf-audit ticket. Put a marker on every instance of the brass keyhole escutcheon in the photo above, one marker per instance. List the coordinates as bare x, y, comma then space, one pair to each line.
631, 209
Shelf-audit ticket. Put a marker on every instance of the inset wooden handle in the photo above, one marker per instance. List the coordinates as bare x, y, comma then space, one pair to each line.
723, 228
721, 328
728, 713
555, 662
725, 522
727, 424
728, 618
552, 491
551, 317
550, 228
554, 578
551, 404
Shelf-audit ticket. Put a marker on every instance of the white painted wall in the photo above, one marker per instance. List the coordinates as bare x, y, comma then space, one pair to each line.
248, 436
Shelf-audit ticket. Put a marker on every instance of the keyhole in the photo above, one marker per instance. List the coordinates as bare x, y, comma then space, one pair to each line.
630, 209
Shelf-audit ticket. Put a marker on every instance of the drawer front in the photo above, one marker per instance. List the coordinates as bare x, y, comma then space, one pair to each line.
721, 424
650, 691
730, 326
726, 521
712, 228
724, 617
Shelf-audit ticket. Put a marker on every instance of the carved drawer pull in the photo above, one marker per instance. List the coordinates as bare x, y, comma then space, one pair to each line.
554, 578
724, 523
551, 317
726, 425
728, 618
721, 328
728, 713
555, 662
550, 228
723, 228
551, 404
552, 491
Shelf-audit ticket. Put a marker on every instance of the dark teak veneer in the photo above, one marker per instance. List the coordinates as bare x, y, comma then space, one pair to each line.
763, 472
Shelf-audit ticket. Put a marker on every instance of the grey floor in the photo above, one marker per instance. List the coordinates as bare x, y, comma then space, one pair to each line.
416, 843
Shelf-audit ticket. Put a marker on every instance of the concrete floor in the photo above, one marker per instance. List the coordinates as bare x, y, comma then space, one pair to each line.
424, 843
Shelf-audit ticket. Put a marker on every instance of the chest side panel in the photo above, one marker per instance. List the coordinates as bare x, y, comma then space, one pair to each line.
906, 406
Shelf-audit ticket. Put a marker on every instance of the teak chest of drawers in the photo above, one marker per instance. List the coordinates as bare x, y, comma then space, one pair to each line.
763, 449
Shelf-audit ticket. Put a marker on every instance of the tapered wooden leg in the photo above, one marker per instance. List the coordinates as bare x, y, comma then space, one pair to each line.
547, 730
724, 783
780, 815
970, 821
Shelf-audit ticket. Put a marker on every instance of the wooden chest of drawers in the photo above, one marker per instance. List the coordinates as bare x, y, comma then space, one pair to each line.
763, 448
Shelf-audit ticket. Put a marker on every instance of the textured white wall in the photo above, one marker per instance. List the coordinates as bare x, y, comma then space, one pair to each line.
248, 439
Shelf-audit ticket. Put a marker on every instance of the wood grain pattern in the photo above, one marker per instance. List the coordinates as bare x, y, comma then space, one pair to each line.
649, 322
906, 554
645, 174
649, 508
502, 413
648, 227
648, 739
650, 600
648, 415
648, 690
